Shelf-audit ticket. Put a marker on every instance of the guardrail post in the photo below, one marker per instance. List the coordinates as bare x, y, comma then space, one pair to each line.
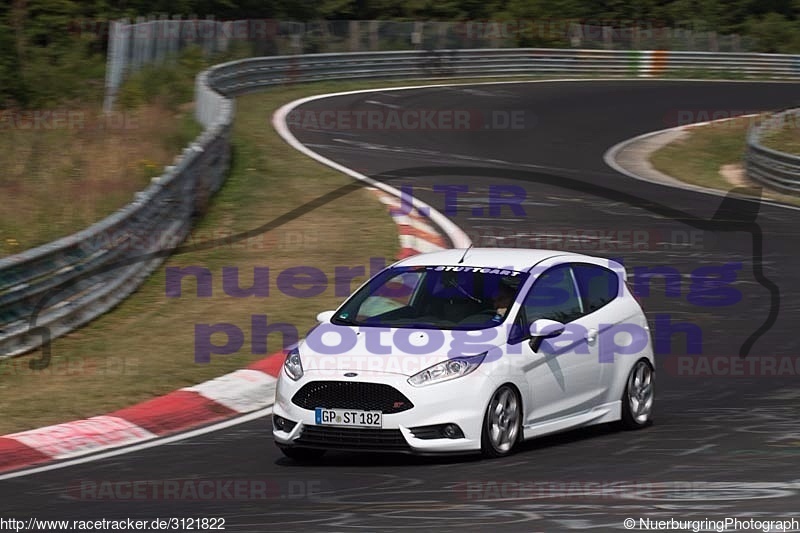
354, 30
608, 38
416, 34
441, 34
296, 43
373, 35
713, 41
575, 33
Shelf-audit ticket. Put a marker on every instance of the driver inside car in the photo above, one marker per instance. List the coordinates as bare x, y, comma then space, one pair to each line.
501, 299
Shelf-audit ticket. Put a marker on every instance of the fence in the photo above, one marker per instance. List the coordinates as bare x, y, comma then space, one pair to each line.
70, 281
768, 166
155, 41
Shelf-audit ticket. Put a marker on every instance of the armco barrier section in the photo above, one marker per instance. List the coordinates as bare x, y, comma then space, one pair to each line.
136, 44
61, 285
770, 167
246, 75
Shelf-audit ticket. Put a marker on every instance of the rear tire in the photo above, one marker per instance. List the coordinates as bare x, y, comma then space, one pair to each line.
638, 396
302, 455
502, 423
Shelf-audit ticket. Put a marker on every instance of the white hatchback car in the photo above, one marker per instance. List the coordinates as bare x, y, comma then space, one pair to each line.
469, 350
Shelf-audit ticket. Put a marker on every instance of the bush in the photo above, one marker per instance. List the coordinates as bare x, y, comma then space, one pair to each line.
172, 84
774, 33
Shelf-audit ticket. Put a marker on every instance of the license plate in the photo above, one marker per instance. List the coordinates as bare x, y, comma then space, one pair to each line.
348, 417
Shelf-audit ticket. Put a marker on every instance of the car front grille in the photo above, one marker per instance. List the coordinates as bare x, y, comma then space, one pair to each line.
352, 439
351, 395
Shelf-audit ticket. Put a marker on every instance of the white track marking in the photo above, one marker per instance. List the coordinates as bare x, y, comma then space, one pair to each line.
610, 158
376, 102
81, 437
698, 449
279, 122
456, 234
421, 245
405, 220
142, 446
242, 391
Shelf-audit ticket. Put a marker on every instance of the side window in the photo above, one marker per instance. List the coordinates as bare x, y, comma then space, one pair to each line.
553, 296
597, 285
519, 330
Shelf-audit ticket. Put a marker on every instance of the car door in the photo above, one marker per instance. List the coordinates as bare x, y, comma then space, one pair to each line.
598, 287
611, 310
562, 373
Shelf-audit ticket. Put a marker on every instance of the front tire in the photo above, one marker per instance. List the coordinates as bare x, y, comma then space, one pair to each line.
502, 423
638, 397
302, 455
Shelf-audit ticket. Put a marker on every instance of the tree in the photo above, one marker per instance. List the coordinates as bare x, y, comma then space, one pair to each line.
775, 33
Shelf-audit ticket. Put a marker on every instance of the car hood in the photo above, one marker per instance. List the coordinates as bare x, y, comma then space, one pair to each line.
406, 351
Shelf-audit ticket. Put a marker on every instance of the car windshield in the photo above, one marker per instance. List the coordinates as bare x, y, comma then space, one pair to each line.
433, 297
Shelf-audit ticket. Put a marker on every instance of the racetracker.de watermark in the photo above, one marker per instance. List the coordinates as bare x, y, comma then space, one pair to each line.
589, 239
731, 366
393, 119
66, 119
196, 489
549, 490
75, 365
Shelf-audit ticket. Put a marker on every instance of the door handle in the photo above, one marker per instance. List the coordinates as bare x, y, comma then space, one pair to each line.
591, 336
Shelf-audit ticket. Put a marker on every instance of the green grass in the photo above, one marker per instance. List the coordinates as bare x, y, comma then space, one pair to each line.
93, 163
80, 167
785, 139
145, 347
697, 157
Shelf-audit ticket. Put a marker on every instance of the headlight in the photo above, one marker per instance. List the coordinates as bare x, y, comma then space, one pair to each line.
450, 369
292, 365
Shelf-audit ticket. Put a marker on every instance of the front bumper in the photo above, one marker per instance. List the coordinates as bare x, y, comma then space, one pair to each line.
461, 401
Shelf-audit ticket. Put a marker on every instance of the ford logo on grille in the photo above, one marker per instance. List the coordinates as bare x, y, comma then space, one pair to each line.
350, 375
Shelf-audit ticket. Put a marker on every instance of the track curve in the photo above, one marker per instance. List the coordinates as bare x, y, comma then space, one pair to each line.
722, 445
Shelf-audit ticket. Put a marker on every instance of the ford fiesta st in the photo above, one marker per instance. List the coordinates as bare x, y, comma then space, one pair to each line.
469, 350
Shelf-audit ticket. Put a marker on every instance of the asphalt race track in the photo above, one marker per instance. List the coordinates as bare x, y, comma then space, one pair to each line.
722, 445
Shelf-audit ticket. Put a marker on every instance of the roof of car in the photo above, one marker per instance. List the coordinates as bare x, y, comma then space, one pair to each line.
519, 259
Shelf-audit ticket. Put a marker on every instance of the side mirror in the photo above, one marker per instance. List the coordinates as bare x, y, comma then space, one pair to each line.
542, 329
325, 316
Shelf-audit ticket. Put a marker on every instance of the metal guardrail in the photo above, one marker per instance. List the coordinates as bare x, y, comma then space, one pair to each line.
245, 75
135, 44
775, 169
68, 282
